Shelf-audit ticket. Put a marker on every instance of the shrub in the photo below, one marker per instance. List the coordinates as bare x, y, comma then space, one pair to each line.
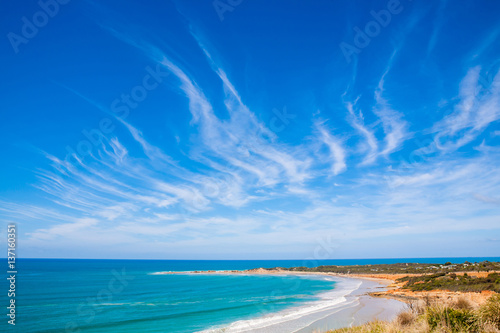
490, 311
462, 304
492, 277
451, 319
440, 319
405, 318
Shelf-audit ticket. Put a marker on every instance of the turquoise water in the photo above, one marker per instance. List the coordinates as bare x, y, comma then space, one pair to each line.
125, 295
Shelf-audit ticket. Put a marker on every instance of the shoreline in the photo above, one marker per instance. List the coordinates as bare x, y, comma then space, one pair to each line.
378, 297
350, 302
261, 271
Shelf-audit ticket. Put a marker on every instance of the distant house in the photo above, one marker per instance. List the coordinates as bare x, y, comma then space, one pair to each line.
448, 266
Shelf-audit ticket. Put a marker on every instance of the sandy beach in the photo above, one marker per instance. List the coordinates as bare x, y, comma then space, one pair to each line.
356, 299
350, 303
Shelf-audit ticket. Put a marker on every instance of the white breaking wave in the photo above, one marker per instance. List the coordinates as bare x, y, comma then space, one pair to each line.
329, 301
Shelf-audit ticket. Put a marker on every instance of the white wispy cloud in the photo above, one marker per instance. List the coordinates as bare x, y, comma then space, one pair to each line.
395, 128
223, 188
357, 122
337, 152
486, 42
438, 23
112, 185
477, 108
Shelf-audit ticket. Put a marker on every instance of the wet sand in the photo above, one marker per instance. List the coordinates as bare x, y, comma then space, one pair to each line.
350, 302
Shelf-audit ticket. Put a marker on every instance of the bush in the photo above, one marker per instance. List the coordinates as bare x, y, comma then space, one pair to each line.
462, 304
492, 277
453, 320
440, 319
490, 311
405, 318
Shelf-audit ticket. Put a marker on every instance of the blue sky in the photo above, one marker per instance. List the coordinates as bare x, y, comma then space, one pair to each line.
251, 129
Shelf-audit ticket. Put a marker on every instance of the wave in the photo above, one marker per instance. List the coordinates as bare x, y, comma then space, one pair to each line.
328, 301
122, 304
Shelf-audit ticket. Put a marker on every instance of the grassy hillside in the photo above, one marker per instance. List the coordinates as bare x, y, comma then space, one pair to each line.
454, 318
405, 268
452, 282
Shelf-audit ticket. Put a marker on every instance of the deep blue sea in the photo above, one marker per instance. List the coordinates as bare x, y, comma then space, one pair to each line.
63, 295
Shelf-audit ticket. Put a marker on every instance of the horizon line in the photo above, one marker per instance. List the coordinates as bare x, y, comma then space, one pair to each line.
308, 259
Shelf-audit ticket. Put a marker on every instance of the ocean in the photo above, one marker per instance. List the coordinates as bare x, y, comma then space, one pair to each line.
66, 295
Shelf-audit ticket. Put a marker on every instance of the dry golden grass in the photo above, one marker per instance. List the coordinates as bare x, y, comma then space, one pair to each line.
405, 318
457, 317
490, 311
462, 304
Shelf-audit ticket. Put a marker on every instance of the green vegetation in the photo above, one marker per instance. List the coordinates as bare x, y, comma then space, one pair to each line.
490, 311
452, 282
405, 268
458, 318
428, 276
